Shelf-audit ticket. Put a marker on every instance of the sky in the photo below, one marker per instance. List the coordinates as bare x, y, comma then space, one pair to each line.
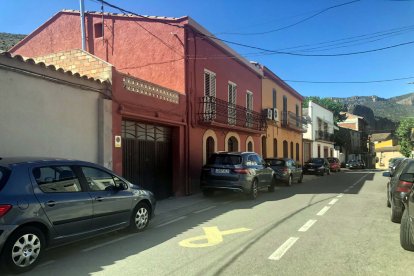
320, 27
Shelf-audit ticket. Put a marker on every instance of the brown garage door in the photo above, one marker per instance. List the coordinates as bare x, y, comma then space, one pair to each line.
146, 157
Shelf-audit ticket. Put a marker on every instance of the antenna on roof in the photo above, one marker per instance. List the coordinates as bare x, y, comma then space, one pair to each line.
82, 18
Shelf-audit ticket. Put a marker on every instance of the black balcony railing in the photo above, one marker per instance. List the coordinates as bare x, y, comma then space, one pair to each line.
215, 110
324, 136
293, 121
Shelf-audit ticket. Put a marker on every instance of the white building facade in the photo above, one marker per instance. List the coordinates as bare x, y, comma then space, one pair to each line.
318, 141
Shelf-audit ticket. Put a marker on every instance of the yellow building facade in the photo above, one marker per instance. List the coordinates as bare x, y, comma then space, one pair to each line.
283, 108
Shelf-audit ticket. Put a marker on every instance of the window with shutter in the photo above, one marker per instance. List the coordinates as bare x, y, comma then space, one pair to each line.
232, 103
249, 107
209, 95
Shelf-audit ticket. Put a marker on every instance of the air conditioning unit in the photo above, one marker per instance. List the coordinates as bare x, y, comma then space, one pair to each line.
275, 114
269, 113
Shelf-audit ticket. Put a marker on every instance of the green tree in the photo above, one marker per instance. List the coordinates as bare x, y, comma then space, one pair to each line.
404, 136
335, 107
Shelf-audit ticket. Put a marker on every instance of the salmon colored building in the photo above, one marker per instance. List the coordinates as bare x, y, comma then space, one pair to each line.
175, 81
283, 107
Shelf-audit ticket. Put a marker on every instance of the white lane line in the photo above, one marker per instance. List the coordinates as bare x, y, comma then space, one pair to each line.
203, 210
171, 221
323, 211
107, 243
278, 254
46, 263
307, 225
340, 195
333, 201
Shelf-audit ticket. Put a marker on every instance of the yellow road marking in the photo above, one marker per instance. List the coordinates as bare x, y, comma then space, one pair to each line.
213, 236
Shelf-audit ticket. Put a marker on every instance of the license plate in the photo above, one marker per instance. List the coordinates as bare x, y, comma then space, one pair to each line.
222, 171
311, 169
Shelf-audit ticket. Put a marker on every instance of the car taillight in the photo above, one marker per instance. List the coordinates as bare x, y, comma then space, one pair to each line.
404, 186
4, 209
242, 171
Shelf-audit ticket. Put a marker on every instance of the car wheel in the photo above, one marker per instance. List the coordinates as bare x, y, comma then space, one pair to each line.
254, 190
23, 249
322, 173
300, 178
395, 213
272, 185
290, 181
140, 217
208, 193
406, 234
388, 198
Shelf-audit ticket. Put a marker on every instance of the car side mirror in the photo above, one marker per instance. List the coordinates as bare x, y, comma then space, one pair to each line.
386, 174
407, 177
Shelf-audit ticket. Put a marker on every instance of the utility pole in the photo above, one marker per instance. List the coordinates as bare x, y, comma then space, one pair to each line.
82, 18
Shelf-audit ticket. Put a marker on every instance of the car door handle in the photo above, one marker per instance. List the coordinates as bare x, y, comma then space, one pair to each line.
99, 198
51, 203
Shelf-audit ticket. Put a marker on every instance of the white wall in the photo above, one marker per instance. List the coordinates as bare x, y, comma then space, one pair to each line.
43, 118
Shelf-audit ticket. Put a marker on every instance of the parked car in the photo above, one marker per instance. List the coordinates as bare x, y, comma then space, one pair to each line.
361, 164
334, 164
286, 169
317, 166
244, 172
407, 220
393, 163
354, 164
49, 201
397, 189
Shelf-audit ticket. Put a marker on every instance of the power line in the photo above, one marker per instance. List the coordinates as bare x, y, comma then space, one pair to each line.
296, 23
360, 82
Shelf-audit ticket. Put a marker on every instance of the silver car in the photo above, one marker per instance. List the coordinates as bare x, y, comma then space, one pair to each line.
50, 201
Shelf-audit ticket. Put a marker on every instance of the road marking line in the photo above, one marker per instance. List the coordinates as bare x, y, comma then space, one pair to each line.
340, 195
307, 225
323, 211
171, 221
212, 237
203, 210
278, 254
346, 190
46, 263
107, 243
333, 201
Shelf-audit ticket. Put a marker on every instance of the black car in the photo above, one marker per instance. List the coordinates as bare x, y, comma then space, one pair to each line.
397, 189
49, 201
407, 220
244, 172
355, 164
318, 166
286, 169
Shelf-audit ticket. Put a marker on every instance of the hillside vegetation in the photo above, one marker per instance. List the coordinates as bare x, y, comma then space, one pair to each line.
9, 40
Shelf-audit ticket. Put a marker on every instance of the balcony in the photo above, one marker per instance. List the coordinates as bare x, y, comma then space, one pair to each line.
221, 113
294, 122
324, 136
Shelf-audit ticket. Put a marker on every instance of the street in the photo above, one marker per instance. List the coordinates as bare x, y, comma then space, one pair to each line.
333, 225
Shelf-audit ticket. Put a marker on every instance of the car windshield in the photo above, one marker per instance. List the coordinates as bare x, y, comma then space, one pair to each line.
4, 175
276, 162
315, 160
331, 160
225, 159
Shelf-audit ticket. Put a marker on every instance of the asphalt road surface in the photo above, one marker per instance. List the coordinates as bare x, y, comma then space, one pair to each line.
331, 225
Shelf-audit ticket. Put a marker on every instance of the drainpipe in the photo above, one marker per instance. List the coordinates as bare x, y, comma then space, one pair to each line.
82, 18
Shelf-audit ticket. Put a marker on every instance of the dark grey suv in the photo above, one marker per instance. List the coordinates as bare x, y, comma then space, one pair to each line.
50, 201
237, 171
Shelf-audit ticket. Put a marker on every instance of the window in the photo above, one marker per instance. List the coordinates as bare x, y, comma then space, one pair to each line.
285, 149
209, 95
264, 147
249, 146
233, 144
249, 109
254, 160
284, 114
56, 179
297, 115
274, 147
319, 151
291, 150
274, 98
99, 180
297, 151
232, 103
98, 28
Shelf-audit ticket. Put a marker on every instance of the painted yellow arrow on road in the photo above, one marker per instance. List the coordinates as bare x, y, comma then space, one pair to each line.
213, 236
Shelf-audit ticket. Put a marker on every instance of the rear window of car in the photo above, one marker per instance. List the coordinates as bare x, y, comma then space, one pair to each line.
410, 167
4, 176
315, 160
331, 160
225, 159
276, 162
